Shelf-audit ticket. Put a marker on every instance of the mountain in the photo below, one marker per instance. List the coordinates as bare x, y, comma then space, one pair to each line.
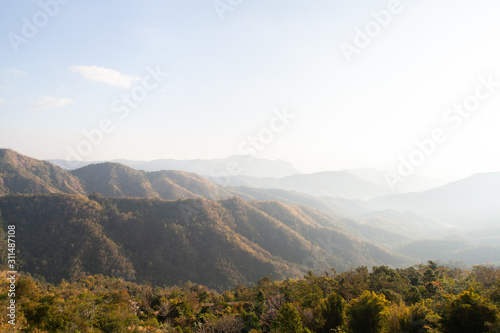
22, 174
247, 166
471, 202
331, 183
218, 243
117, 180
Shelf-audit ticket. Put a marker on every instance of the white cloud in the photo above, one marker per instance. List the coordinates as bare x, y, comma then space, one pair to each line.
106, 75
2, 101
48, 102
16, 72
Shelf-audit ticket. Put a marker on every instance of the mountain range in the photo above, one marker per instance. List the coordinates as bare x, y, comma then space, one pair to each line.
20, 174
278, 226
255, 167
256, 172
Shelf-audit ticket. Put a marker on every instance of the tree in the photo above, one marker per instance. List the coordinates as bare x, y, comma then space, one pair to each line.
419, 319
486, 275
494, 293
287, 320
366, 313
333, 312
396, 318
273, 305
469, 312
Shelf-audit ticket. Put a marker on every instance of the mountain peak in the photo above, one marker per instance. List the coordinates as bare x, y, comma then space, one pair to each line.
23, 174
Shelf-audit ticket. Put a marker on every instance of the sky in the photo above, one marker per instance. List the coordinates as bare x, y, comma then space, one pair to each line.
410, 87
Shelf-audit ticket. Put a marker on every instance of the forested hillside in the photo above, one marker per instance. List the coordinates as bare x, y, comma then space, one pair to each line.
22, 174
216, 243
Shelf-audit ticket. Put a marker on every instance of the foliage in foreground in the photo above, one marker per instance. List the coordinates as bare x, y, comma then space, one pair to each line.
423, 298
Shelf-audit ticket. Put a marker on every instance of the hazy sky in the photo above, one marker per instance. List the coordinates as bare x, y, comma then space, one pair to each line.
71, 66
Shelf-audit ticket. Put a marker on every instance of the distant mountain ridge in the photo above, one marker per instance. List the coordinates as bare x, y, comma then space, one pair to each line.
277, 174
258, 173
246, 165
473, 200
330, 183
120, 180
